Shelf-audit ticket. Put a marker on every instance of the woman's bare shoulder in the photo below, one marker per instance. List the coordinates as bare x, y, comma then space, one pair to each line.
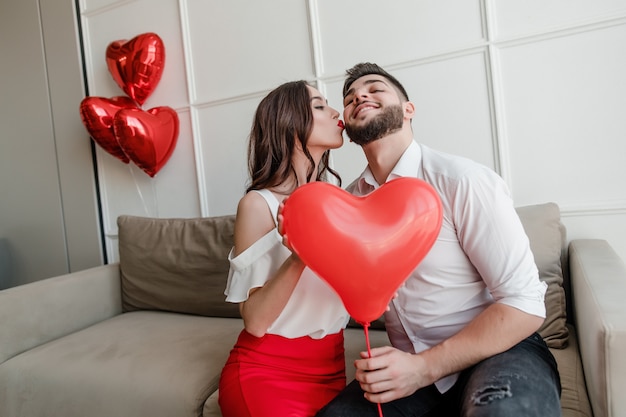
253, 221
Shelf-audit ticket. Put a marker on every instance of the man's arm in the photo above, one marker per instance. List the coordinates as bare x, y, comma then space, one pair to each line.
391, 374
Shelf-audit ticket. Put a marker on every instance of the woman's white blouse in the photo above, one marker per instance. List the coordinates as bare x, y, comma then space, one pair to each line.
314, 308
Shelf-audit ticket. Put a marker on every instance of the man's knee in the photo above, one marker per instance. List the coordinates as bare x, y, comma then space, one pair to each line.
489, 393
501, 397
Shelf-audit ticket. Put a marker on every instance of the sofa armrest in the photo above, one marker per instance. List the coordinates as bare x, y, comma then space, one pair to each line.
36, 313
598, 277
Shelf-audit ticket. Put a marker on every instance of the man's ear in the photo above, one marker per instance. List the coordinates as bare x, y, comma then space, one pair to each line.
409, 109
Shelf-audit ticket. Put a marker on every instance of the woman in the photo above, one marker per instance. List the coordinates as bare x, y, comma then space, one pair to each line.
289, 359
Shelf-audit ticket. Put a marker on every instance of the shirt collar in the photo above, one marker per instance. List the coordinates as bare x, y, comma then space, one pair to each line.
407, 166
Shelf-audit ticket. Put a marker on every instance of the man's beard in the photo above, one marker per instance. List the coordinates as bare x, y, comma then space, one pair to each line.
388, 121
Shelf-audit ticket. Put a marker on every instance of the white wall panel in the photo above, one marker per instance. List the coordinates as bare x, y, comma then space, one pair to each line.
522, 18
453, 106
565, 117
89, 6
237, 47
352, 31
177, 182
223, 132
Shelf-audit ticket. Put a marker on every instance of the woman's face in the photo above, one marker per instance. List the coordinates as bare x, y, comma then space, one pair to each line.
327, 128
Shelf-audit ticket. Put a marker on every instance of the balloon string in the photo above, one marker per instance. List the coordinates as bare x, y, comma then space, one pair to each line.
154, 195
367, 339
143, 201
369, 354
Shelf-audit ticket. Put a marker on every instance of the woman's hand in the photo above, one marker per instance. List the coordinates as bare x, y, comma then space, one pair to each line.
279, 220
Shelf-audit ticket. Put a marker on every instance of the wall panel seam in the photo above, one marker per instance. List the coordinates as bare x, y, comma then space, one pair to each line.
599, 209
560, 32
104, 9
203, 193
315, 38
495, 92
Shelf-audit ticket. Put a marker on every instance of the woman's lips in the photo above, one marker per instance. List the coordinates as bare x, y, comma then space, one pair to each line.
340, 124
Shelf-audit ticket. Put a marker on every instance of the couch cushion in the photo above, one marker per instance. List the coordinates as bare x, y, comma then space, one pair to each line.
542, 224
574, 397
143, 363
177, 265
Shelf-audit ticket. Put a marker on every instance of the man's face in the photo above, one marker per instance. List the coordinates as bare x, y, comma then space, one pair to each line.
372, 109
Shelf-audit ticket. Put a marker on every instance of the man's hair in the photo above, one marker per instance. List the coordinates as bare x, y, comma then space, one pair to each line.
367, 68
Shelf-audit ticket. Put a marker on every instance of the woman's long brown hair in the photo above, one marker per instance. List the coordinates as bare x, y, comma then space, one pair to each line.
281, 118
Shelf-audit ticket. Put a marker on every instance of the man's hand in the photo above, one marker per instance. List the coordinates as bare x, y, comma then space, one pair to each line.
390, 374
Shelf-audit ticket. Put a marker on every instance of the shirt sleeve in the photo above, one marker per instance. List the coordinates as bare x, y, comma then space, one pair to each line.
494, 239
254, 266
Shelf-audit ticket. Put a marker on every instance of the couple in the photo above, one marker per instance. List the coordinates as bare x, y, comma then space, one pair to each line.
463, 327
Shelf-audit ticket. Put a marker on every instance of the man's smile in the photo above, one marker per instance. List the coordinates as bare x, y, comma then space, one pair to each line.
363, 107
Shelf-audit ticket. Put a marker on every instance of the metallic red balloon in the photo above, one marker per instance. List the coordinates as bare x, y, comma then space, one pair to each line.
137, 65
97, 114
149, 137
364, 247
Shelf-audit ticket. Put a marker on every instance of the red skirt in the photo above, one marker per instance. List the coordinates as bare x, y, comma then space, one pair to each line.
275, 376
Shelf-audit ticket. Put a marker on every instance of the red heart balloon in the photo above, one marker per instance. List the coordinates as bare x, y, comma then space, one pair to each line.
364, 247
97, 115
147, 137
137, 65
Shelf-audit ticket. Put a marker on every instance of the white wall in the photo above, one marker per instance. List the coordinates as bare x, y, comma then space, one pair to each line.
535, 89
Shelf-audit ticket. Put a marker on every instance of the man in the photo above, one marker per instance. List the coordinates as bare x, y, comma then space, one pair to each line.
463, 326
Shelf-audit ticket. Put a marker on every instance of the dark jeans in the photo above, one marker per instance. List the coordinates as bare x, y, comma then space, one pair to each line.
523, 381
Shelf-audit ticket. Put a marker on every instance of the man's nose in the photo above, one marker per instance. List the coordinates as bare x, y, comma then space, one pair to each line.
359, 96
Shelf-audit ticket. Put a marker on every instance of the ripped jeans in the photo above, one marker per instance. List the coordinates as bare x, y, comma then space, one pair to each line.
521, 382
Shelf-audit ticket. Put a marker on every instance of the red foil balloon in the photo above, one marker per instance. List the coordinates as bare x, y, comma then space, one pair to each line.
97, 114
364, 247
149, 137
137, 65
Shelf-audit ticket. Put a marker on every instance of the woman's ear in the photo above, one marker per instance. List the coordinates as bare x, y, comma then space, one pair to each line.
297, 144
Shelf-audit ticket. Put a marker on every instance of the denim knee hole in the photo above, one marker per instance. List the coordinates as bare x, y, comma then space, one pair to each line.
491, 393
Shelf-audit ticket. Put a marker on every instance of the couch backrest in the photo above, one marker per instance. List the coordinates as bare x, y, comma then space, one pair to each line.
547, 236
177, 265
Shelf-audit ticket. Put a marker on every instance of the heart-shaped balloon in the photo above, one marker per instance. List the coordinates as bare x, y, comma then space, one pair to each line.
137, 65
364, 247
149, 137
97, 114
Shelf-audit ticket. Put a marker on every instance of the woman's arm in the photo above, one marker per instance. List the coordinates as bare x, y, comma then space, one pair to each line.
264, 304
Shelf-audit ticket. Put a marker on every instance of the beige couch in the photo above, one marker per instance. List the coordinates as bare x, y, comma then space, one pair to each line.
148, 336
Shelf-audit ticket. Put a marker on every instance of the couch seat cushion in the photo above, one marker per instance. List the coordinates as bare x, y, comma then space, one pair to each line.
574, 398
135, 364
